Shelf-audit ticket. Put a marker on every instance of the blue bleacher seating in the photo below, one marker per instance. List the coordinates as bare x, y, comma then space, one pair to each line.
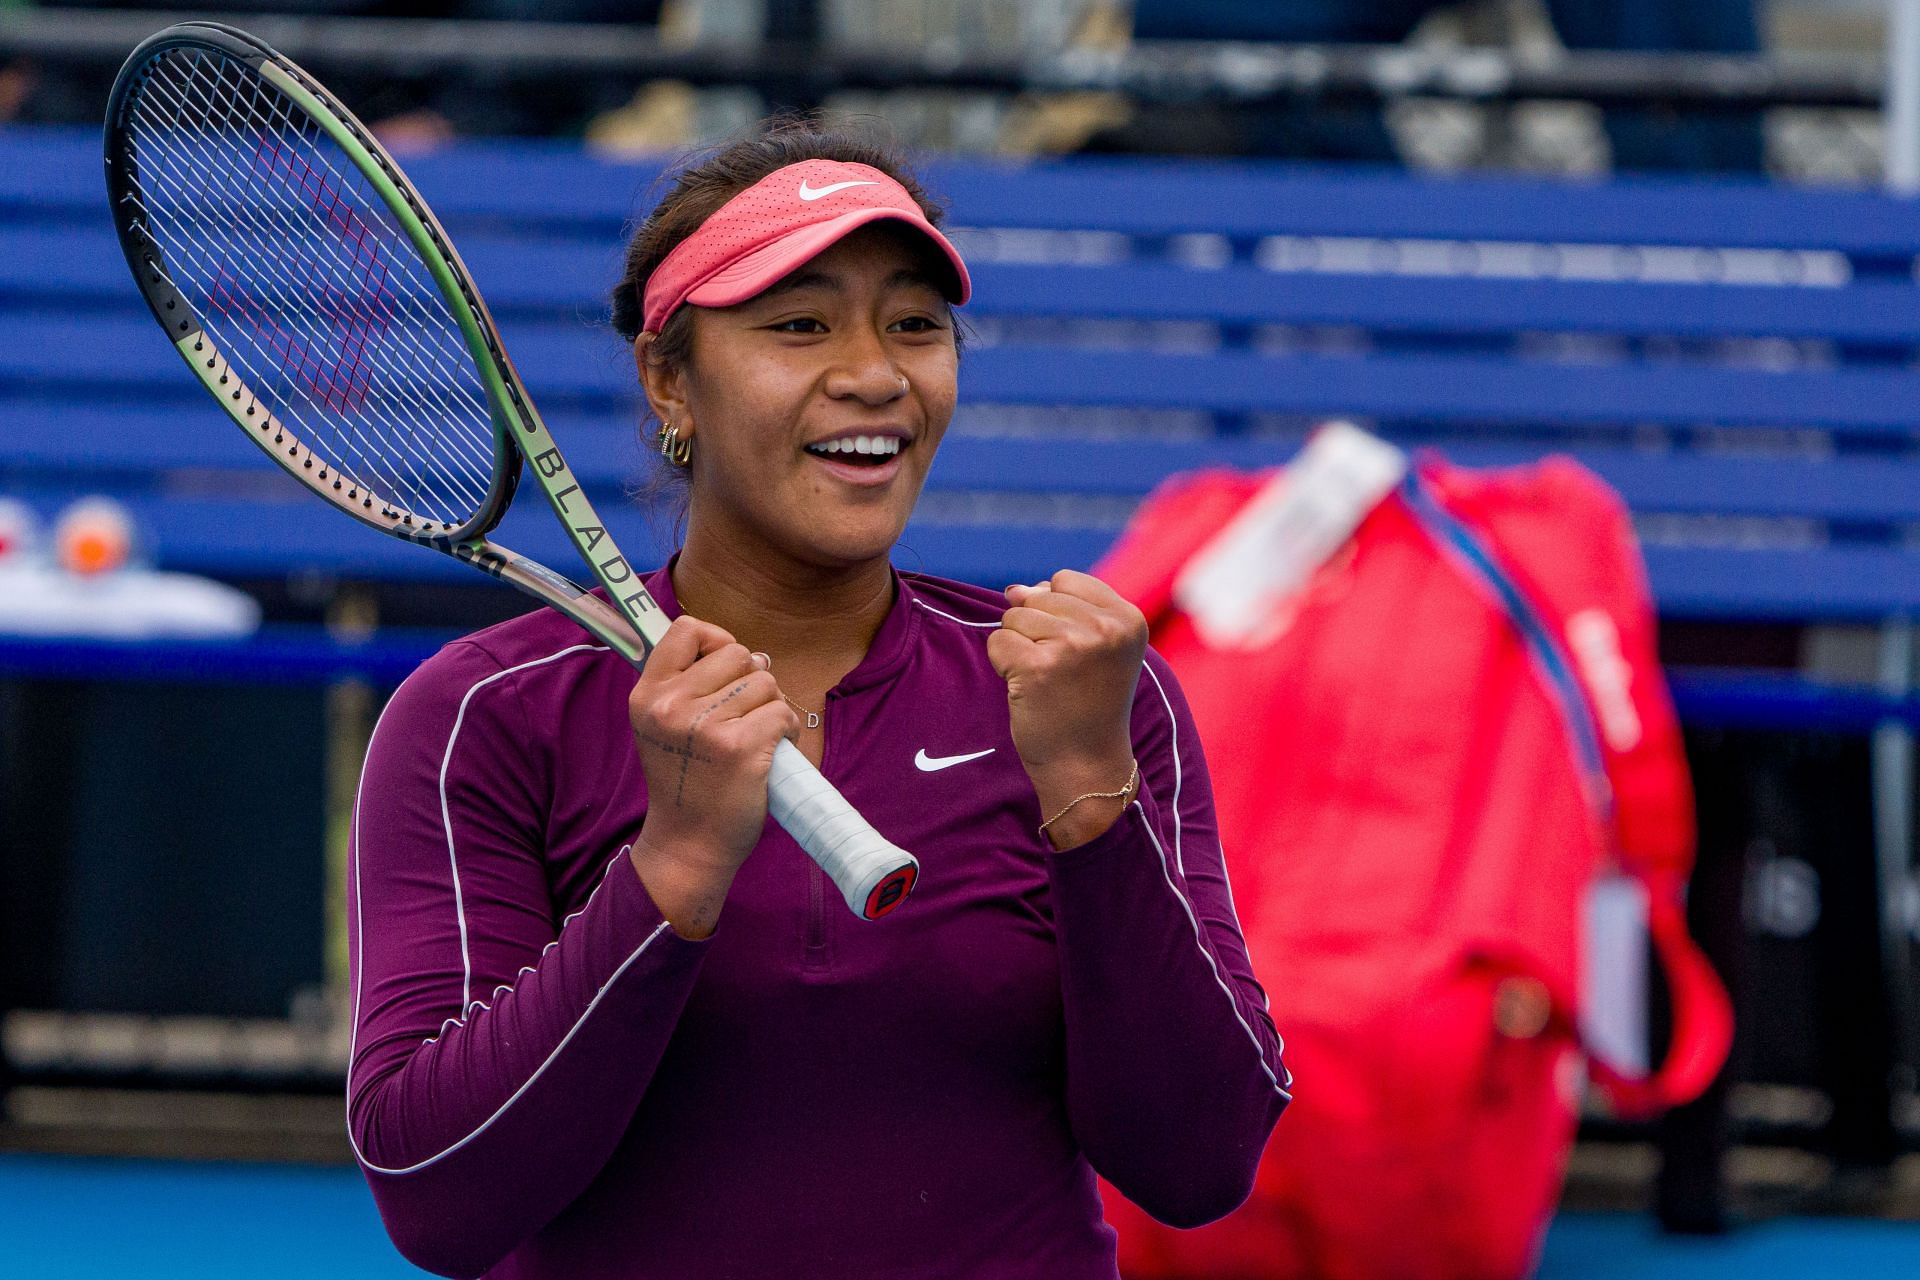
1736, 359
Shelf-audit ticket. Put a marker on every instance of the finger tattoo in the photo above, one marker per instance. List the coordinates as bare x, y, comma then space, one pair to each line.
685, 752
688, 755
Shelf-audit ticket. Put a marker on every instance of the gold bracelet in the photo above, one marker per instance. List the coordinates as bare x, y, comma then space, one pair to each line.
1124, 795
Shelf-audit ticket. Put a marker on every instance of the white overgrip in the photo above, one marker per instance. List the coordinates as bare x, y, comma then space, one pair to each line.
874, 875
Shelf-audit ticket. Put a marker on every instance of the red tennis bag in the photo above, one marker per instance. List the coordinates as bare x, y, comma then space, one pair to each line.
1420, 770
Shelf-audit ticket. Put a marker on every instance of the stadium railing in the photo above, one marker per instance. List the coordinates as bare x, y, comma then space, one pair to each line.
1734, 358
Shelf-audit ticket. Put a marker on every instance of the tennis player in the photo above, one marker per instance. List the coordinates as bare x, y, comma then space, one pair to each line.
611, 1022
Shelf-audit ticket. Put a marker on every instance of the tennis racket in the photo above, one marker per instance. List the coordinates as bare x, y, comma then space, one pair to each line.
318, 300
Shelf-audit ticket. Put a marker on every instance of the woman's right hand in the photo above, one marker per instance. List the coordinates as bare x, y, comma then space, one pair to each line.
706, 718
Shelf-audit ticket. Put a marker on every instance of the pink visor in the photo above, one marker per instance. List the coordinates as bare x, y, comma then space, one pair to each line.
787, 218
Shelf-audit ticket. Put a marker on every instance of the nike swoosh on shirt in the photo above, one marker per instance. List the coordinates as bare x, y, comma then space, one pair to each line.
821, 193
934, 764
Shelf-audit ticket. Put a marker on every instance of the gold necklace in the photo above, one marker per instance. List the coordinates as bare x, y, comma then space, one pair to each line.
813, 717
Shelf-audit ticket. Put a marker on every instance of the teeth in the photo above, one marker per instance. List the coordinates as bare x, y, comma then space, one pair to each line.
882, 446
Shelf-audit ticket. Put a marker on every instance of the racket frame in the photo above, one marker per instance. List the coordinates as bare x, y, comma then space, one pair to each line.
634, 622
518, 431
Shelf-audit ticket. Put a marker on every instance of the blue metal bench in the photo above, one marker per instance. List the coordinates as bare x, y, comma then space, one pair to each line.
1735, 359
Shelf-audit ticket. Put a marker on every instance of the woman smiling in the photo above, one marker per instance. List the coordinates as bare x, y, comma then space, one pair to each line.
612, 1023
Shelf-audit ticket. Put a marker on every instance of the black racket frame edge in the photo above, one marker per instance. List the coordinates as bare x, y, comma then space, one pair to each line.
177, 317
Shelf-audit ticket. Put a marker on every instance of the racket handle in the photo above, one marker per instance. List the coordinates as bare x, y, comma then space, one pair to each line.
873, 874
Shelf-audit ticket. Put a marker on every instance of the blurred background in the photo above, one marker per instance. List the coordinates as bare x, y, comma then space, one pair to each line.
1676, 241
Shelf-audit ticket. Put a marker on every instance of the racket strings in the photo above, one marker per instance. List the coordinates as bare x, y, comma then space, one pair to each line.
309, 287
343, 385
410, 403
449, 359
346, 385
228, 296
225, 296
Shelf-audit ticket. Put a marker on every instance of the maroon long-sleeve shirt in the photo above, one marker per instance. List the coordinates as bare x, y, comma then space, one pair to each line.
548, 1081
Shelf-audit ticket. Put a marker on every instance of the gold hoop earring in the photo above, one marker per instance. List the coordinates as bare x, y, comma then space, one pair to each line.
673, 448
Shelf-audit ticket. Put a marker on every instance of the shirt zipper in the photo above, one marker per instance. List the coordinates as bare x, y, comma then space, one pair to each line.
816, 910
815, 956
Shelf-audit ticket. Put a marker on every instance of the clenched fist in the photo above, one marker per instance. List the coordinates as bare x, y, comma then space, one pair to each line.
706, 717
1070, 651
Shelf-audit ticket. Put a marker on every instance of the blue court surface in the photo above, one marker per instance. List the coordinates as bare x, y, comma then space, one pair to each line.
79, 1219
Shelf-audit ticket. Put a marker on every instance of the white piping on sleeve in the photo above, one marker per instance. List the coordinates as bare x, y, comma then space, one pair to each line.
1179, 858
1259, 1050
359, 917
528, 1084
461, 1021
1173, 739
950, 618
455, 1022
446, 818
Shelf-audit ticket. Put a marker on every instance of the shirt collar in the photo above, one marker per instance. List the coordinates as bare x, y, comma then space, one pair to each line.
892, 644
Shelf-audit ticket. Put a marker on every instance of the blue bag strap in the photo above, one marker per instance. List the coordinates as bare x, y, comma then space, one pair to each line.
1472, 555
1702, 1014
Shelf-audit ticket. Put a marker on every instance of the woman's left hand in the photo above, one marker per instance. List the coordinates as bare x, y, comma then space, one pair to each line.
1070, 651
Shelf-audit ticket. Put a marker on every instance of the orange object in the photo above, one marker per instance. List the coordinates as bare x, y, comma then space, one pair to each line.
93, 536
